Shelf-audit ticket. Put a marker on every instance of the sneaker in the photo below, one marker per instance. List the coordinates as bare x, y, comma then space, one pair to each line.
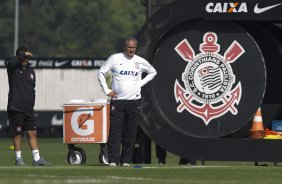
40, 162
112, 164
125, 165
192, 162
19, 162
161, 161
184, 161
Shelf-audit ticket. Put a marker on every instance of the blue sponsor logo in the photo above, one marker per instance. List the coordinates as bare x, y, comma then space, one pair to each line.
134, 73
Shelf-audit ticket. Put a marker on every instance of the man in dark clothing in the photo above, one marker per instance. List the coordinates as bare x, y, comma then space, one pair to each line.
21, 100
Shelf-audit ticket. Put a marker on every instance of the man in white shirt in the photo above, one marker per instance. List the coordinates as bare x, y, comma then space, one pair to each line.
127, 69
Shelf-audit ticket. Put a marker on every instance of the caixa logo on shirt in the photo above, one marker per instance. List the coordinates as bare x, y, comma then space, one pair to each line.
128, 72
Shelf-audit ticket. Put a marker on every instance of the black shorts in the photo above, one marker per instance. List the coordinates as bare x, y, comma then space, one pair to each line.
21, 121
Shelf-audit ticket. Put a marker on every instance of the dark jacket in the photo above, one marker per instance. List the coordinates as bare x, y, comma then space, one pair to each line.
22, 86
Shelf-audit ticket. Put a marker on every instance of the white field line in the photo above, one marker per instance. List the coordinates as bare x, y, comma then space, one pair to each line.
167, 180
193, 167
63, 181
132, 167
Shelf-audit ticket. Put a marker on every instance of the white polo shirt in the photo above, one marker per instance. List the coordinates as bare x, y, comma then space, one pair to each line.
126, 75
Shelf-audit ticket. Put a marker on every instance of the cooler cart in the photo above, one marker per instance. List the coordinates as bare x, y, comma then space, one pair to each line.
84, 123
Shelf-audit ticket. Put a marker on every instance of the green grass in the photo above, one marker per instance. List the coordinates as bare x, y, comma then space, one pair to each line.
55, 151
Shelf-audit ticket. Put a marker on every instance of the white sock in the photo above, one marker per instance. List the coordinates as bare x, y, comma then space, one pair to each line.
35, 154
18, 154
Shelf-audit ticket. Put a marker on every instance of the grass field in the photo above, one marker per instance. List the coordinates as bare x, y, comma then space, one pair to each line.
55, 151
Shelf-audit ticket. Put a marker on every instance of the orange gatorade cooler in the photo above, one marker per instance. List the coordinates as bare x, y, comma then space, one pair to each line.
86, 122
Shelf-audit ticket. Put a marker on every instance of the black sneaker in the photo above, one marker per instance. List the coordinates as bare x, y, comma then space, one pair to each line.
184, 161
19, 162
40, 162
161, 161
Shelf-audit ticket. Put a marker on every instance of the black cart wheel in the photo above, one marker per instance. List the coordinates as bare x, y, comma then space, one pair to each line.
103, 155
103, 159
79, 156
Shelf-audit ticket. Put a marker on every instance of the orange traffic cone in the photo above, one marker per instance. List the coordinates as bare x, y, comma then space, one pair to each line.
257, 131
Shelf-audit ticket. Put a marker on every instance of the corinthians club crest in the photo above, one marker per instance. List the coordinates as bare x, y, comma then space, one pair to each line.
210, 90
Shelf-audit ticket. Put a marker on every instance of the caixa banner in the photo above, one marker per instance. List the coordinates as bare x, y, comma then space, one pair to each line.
242, 10
71, 63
